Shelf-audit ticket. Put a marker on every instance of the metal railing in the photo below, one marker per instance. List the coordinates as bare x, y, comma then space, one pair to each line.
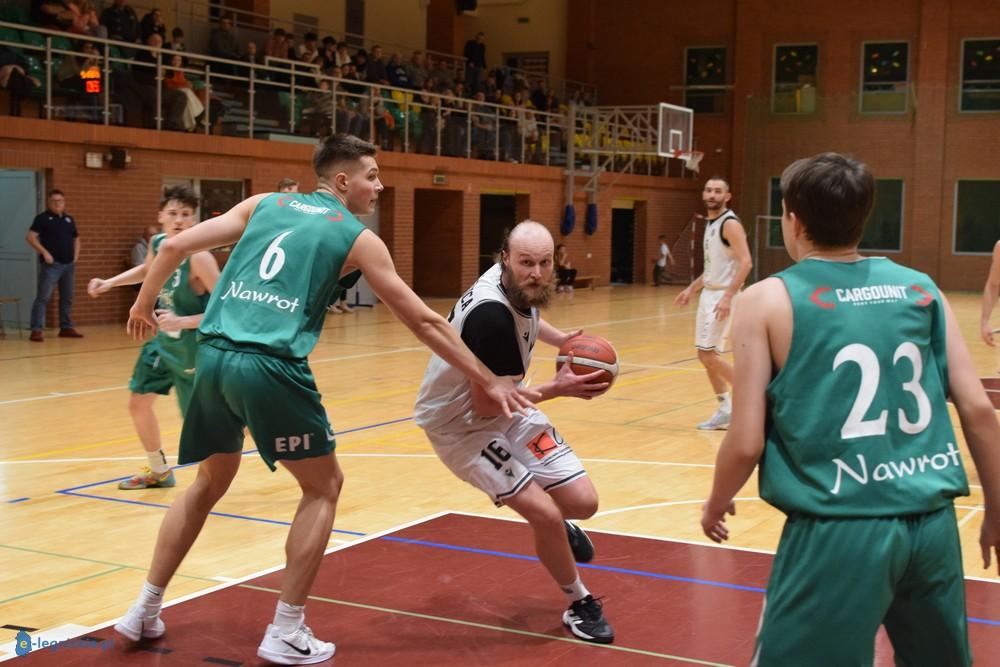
291, 98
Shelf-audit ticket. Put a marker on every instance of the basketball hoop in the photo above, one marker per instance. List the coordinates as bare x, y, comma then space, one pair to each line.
692, 159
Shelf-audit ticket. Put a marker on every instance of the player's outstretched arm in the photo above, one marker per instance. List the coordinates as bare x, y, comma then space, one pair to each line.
371, 256
990, 292
216, 232
744, 442
133, 276
981, 429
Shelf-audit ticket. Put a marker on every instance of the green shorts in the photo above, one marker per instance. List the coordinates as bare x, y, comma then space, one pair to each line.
275, 398
156, 372
835, 581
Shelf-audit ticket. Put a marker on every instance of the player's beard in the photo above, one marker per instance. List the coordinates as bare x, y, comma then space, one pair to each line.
520, 298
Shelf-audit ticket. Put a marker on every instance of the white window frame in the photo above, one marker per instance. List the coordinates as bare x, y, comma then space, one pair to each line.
722, 90
961, 78
906, 84
774, 83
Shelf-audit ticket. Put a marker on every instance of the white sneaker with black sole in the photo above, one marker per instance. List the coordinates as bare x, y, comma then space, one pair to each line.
585, 619
137, 625
298, 647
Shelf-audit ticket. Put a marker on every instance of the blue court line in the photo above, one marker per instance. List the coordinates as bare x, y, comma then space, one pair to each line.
17, 500
984, 621
74, 490
602, 568
245, 453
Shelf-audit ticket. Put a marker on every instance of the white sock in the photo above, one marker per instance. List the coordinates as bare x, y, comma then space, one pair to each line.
725, 402
158, 461
288, 617
575, 591
151, 598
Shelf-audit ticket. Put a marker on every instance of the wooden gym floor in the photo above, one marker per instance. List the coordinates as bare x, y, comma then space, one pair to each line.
74, 548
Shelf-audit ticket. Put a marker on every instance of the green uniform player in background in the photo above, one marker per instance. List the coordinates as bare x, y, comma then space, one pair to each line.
168, 360
842, 368
294, 254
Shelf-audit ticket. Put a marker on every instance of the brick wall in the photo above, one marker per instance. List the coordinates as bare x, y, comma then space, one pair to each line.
112, 206
930, 147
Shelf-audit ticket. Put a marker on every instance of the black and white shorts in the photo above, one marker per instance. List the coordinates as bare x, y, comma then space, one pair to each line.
505, 456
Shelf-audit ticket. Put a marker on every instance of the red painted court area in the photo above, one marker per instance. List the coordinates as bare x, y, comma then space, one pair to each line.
465, 590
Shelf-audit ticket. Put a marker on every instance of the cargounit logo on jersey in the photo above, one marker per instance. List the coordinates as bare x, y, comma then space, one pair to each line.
863, 296
309, 209
237, 291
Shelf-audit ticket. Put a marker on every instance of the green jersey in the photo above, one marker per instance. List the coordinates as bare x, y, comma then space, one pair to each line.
857, 424
281, 276
176, 295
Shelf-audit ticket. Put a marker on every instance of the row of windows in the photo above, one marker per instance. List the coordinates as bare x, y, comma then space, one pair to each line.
885, 77
976, 223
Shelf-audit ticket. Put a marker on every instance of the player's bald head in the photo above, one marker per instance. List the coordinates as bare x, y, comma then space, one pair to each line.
528, 235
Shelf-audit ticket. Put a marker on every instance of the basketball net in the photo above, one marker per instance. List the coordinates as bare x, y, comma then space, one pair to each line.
692, 159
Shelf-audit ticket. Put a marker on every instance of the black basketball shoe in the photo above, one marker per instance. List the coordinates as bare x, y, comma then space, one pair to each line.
583, 548
585, 619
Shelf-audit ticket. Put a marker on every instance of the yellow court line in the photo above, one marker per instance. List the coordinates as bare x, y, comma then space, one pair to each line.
366, 397
497, 628
64, 450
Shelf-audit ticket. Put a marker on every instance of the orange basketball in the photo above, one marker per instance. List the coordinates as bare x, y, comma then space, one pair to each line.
590, 353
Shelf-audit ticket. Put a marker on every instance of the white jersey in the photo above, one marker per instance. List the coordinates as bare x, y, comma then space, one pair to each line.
664, 254
444, 402
720, 266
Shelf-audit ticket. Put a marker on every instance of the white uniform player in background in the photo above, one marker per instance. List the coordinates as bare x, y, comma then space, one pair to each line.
727, 265
521, 461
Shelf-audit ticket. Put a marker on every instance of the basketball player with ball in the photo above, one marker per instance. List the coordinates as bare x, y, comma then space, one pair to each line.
521, 461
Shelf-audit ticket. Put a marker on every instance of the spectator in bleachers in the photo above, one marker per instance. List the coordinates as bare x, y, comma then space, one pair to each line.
308, 50
529, 130
483, 128
343, 57
15, 79
489, 87
52, 14
121, 21
444, 76
455, 117
251, 55
176, 42
360, 62
86, 58
475, 60
174, 102
293, 49
429, 104
152, 22
85, 22
175, 80
277, 44
537, 97
416, 71
350, 73
222, 44
396, 71
376, 68
552, 104
328, 53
